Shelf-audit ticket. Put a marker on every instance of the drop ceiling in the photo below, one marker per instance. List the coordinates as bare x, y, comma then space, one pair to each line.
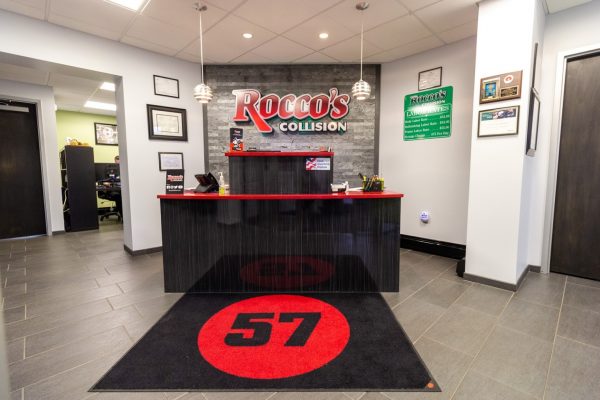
284, 31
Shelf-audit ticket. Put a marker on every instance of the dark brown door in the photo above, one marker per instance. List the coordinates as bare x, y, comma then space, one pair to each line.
21, 194
576, 230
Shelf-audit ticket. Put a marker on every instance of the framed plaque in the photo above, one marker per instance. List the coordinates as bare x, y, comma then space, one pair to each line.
498, 122
500, 87
166, 123
106, 134
431, 78
169, 161
164, 86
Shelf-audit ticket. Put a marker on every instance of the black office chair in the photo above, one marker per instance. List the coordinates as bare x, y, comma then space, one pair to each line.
112, 195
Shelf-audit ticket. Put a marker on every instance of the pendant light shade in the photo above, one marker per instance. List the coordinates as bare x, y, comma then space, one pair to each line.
361, 90
202, 92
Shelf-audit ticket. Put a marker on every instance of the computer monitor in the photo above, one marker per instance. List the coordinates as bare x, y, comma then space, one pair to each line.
106, 171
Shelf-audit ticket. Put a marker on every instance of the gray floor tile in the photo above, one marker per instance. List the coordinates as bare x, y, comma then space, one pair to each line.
580, 324
158, 306
412, 280
16, 395
575, 370
486, 299
544, 289
309, 395
44, 322
57, 360
479, 387
14, 314
441, 292
586, 297
15, 350
582, 281
238, 395
354, 395
413, 258
13, 290
155, 279
78, 330
532, 319
72, 300
139, 328
128, 275
416, 316
393, 299
152, 291
130, 396
516, 360
462, 329
49, 294
447, 366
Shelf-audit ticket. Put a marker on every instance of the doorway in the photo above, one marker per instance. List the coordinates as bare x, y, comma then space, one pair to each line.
22, 210
576, 225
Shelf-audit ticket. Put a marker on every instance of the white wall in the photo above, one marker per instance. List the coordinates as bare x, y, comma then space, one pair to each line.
496, 234
433, 174
140, 176
43, 96
565, 31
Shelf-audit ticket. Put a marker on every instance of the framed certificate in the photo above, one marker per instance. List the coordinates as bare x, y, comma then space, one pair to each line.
498, 122
106, 134
164, 86
166, 123
431, 78
170, 161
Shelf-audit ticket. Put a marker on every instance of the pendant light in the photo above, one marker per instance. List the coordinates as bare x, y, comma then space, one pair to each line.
202, 93
361, 89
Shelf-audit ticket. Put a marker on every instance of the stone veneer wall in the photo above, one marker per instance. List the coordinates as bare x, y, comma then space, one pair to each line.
355, 151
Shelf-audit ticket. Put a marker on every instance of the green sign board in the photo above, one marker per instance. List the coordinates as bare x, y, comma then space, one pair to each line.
428, 114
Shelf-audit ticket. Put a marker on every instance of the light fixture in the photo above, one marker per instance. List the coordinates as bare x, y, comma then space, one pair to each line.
247, 35
133, 5
108, 86
202, 93
361, 89
100, 106
323, 35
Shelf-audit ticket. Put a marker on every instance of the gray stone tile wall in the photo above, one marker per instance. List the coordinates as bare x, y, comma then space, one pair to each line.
354, 150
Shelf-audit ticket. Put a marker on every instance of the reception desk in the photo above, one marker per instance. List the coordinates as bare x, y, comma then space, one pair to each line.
289, 242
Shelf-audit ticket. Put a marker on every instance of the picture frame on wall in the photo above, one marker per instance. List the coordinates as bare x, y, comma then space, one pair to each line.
533, 122
106, 134
498, 122
166, 123
170, 161
164, 86
500, 87
430, 78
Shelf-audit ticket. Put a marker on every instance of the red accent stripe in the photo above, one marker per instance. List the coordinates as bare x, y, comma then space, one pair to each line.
279, 154
324, 196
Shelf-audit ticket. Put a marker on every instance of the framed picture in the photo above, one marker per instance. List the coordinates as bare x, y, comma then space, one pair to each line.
489, 90
170, 161
498, 122
533, 123
164, 86
106, 134
431, 78
166, 123
500, 87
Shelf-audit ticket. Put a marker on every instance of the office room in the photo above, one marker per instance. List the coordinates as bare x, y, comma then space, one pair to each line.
260, 199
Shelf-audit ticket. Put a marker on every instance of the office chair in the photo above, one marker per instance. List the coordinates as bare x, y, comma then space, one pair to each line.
112, 196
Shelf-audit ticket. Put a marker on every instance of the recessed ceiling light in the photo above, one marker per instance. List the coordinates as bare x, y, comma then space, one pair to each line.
133, 5
100, 106
323, 35
247, 35
108, 86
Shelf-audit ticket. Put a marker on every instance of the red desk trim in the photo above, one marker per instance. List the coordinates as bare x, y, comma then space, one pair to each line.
279, 154
325, 196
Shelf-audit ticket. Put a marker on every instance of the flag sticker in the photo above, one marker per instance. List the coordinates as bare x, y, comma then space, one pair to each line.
318, 164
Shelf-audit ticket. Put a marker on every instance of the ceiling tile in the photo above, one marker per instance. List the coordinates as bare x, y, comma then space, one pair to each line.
227, 5
195, 58
251, 58
349, 50
400, 31
70, 99
448, 14
104, 96
407, 50
315, 58
142, 44
71, 84
181, 13
282, 50
414, 5
23, 74
224, 42
31, 8
459, 33
379, 11
279, 16
159, 33
307, 33
560, 5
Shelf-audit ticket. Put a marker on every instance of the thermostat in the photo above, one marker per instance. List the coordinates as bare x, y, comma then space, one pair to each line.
424, 217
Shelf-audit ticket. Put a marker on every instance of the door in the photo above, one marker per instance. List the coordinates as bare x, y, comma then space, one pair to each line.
21, 194
576, 229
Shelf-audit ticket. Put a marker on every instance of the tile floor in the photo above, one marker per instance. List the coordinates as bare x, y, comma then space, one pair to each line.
74, 303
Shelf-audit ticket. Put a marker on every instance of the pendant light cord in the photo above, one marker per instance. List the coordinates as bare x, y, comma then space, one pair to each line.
361, 44
201, 46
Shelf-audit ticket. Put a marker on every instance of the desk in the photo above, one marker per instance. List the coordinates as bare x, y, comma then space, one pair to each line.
293, 242
111, 193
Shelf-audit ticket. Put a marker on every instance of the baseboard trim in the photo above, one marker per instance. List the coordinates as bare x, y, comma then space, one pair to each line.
495, 283
59, 232
535, 268
444, 249
142, 251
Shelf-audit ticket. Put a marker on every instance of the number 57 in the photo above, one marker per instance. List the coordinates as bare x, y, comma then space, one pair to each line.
262, 329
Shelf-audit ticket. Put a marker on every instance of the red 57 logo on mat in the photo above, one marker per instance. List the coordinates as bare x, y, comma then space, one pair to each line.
274, 336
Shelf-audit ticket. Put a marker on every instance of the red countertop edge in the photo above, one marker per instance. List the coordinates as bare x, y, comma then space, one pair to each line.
326, 196
279, 154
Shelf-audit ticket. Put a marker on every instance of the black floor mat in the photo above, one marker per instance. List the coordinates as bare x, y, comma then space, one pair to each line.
280, 342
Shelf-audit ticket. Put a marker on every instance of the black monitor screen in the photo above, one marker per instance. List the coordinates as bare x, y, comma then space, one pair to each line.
106, 171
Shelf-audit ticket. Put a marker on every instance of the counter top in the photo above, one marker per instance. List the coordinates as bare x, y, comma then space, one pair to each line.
327, 196
279, 154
